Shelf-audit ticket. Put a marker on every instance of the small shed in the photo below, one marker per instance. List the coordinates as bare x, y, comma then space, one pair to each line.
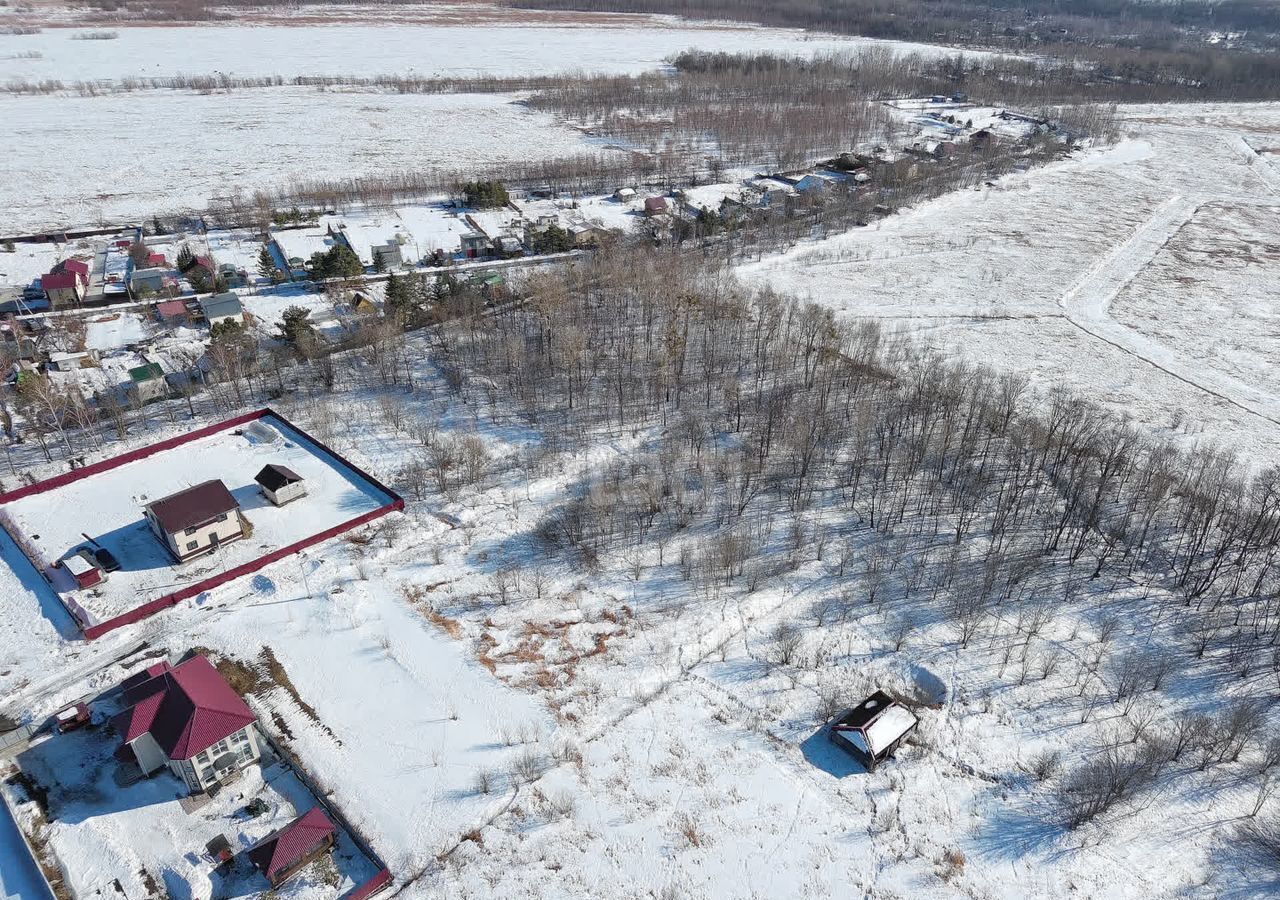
624, 194
73, 717
85, 572
147, 383
280, 484
172, 312
873, 730
282, 855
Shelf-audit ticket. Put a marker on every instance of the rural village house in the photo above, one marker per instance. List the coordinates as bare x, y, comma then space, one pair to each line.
188, 719
197, 520
224, 307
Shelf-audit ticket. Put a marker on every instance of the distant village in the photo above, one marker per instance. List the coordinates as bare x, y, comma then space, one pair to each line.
118, 311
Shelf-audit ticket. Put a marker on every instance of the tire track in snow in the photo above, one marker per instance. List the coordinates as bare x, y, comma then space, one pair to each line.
1087, 305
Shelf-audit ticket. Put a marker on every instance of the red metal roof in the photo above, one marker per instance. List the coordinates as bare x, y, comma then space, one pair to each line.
194, 506
55, 280
78, 266
187, 709
155, 260
172, 308
275, 853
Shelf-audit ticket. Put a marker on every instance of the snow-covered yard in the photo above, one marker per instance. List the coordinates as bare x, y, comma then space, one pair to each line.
108, 507
104, 829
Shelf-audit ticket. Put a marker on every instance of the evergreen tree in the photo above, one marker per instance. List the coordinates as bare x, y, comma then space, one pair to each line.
266, 265
186, 259
295, 325
485, 194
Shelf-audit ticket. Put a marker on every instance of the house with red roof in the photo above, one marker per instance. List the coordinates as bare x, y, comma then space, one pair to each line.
281, 855
67, 283
188, 719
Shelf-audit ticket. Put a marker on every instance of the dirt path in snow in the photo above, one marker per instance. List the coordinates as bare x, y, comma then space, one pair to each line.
1087, 303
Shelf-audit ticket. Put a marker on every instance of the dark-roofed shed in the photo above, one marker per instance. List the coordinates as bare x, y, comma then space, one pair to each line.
280, 484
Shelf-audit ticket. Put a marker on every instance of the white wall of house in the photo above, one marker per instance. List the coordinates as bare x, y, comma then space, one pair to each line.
244, 744
197, 540
148, 753
286, 493
235, 317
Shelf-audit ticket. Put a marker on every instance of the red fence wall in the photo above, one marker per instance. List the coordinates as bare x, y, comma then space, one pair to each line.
150, 608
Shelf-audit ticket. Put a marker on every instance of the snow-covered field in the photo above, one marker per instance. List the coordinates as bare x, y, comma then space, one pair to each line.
595, 734
1137, 275
476, 40
114, 163
108, 506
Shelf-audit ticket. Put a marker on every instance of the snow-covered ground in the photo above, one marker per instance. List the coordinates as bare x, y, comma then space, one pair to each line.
115, 164
488, 41
596, 734
108, 506
1136, 274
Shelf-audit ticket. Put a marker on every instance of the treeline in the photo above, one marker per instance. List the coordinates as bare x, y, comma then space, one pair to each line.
756, 410
1078, 27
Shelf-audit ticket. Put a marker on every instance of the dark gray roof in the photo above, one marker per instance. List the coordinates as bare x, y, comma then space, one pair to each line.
224, 304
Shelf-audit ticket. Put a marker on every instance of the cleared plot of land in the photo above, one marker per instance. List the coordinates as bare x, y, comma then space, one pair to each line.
108, 507
1209, 295
1026, 273
118, 160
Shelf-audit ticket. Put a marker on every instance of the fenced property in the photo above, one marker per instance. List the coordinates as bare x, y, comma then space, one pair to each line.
100, 507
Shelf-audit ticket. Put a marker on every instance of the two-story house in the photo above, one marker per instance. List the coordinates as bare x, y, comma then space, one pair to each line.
188, 719
197, 520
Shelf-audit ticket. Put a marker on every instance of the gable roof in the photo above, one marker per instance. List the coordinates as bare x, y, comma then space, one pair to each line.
273, 476
79, 266
285, 848
146, 372
224, 304
194, 506
171, 308
60, 280
186, 709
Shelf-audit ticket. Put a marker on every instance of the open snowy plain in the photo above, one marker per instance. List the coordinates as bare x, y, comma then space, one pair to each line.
1141, 276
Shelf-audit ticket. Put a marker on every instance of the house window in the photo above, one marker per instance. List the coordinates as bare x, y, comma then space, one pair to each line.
190, 531
191, 545
203, 756
221, 518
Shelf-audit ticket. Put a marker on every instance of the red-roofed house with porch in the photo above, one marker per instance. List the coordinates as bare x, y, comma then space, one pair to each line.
187, 718
282, 855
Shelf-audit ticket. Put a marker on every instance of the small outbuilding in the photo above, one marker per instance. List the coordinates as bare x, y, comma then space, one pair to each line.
656, 206
280, 484
84, 569
873, 730
281, 855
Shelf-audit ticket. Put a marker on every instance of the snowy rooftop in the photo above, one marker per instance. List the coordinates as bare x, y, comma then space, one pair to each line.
108, 507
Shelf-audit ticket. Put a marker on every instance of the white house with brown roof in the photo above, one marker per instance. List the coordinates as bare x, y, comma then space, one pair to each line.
196, 521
